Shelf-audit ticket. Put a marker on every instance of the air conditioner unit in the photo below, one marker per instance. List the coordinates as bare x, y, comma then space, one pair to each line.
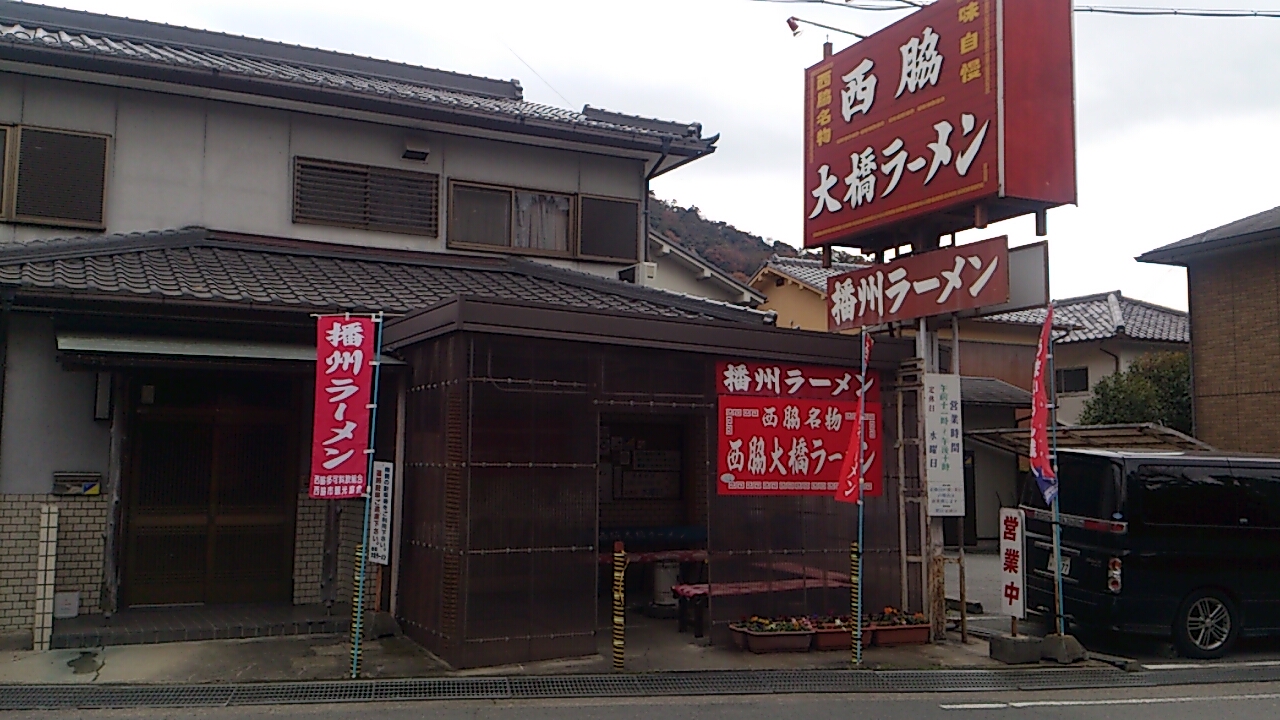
645, 273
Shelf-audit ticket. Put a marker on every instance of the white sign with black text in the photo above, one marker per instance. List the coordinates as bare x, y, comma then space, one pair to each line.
1013, 583
380, 495
944, 445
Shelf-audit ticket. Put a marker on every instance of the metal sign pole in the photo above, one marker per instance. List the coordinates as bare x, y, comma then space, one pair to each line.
1057, 519
862, 408
357, 610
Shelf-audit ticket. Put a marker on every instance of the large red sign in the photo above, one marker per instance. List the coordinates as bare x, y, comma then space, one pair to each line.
345, 355
784, 429
960, 103
915, 286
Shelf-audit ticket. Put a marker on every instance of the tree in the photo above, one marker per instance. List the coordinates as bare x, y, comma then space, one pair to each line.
1156, 388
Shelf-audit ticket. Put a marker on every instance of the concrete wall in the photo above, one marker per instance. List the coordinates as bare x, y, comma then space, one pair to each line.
995, 474
178, 161
797, 306
1093, 355
1235, 357
677, 276
48, 423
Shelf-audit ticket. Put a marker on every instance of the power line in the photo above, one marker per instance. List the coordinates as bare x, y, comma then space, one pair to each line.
1189, 12
535, 72
890, 5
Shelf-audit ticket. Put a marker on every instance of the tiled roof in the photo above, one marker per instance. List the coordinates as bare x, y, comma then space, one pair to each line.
1108, 315
118, 45
991, 391
199, 266
808, 271
1264, 224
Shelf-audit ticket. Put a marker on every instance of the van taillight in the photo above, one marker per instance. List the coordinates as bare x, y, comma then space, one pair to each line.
1113, 575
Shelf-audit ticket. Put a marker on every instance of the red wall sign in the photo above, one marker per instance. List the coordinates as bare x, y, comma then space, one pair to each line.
784, 429
960, 102
345, 355
915, 286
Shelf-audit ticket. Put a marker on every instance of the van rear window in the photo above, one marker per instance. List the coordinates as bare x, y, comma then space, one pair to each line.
1089, 486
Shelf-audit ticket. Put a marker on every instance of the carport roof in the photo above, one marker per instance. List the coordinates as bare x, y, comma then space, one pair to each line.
1136, 436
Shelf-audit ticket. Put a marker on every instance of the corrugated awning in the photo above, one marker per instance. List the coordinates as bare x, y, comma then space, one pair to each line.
88, 344
1136, 436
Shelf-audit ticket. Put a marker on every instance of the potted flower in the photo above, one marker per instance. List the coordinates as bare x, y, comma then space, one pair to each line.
836, 632
894, 627
762, 635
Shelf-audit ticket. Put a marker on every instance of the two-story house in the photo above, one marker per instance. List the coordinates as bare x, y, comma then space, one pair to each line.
176, 205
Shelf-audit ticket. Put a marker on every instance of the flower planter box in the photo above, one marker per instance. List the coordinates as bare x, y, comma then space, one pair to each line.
838, 638
771, 642
890, 635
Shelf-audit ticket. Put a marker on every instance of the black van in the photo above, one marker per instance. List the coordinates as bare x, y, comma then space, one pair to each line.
1162, 543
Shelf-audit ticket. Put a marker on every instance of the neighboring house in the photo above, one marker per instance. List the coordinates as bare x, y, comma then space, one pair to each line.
178, 205
796, 289
681, 270
1233, 276
1109, 331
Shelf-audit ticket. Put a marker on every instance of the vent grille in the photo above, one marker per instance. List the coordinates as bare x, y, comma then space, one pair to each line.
368, 198
61, 178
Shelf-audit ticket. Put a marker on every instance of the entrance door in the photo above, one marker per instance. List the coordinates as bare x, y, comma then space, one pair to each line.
213, 480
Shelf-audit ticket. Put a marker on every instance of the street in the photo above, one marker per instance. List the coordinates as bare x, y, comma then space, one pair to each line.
1223, 702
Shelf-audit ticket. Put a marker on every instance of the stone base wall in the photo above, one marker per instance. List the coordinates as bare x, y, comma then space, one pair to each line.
82, 528
308, 550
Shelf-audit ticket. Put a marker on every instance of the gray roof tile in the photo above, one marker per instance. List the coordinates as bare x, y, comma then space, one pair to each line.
807, 271
122, 45
197, 265
1262, 224
992, 391
1094, 319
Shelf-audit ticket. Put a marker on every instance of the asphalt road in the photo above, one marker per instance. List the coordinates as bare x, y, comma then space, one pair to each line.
1221, 702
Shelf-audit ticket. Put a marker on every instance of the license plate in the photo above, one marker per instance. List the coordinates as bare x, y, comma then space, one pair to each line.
1066, 565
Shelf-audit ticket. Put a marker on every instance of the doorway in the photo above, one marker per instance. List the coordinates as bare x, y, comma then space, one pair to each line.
211, 482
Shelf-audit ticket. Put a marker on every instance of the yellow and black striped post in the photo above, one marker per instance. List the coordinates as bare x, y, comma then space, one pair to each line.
619, 607
855, 605
357, 627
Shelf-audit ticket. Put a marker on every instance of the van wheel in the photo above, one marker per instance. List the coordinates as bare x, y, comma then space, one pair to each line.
1207, 625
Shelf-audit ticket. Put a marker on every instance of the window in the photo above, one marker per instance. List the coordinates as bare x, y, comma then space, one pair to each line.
59, 178
1260, 493
1090, 487
609, 228
1197, 496
364, 197
1071, 380
525, 220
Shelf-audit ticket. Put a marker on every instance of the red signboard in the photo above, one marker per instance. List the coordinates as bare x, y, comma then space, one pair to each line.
915, 286
964, 102
345, 354
784, 429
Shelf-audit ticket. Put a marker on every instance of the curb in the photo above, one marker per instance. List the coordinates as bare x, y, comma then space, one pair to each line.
64, 697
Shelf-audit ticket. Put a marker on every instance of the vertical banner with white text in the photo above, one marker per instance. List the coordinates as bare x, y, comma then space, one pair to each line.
345, 356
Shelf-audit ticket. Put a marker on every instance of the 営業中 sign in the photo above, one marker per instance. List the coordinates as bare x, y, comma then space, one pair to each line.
1012, 564
784, 429
944, 445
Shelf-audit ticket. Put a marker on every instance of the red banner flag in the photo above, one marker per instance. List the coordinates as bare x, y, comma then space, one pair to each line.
345, 356
1041, 464
853, 471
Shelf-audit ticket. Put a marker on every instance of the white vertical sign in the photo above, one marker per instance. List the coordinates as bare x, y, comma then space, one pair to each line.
380, 494
1013, 585
944, 445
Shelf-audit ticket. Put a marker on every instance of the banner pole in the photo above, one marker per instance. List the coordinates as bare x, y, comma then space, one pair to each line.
1057, 518
862, 408
357, 610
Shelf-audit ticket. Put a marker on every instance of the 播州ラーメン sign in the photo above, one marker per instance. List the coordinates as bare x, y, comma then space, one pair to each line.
962, 104
784, 429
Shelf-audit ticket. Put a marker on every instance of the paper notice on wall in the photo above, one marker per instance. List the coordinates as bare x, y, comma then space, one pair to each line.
381, 491
944, 445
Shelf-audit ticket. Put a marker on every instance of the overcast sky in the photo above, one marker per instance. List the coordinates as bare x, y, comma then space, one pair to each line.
1178, 119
